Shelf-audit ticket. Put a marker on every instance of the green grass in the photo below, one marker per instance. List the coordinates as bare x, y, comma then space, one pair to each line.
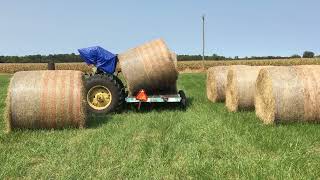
204, 142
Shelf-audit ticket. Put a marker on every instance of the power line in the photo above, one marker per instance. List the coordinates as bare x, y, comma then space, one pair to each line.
203, 40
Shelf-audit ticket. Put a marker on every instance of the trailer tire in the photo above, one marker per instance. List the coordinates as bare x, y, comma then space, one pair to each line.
183, 102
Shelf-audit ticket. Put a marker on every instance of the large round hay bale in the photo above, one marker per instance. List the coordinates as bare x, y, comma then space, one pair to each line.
175, 59
51, 65
46, 100
241, 87
288, 94
149, 67
216, 83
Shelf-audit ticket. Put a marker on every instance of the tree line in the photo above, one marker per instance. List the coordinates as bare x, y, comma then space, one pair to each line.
67, 58
215, 57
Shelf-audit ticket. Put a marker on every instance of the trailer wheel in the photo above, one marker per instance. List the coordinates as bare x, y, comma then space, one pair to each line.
183, 102
105, 93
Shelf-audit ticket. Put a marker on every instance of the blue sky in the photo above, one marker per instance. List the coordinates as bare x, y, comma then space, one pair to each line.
233, 27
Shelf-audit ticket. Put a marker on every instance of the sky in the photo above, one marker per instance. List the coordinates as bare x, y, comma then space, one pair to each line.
232, 27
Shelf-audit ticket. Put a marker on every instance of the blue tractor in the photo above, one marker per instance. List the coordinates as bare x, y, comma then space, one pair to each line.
106, 92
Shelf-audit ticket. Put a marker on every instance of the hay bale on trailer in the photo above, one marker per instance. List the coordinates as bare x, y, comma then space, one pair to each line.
288, 94
46, 100
216, 83
241, 87
175, 59
149, 67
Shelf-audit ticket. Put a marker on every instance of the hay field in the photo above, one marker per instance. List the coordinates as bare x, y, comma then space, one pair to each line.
182, 65
15, 67
205, 142
185, 65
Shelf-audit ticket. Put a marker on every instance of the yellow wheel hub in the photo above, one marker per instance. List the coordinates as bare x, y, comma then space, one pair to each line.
99, 97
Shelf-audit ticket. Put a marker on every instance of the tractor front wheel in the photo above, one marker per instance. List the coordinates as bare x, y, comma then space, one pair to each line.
105, 93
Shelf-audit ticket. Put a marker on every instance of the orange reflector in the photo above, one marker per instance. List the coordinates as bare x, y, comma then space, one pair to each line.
142, 95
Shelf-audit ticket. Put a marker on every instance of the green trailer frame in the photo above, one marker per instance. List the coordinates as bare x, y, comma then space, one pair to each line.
176, 98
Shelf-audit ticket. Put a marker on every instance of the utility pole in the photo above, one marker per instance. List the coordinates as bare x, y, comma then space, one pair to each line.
203, 43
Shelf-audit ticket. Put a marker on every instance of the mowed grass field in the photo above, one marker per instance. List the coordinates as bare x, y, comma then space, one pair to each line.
204, 142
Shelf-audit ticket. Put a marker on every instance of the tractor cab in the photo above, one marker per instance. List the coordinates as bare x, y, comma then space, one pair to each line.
103, 60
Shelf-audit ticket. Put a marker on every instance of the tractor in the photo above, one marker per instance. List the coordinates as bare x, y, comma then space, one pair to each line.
105, 91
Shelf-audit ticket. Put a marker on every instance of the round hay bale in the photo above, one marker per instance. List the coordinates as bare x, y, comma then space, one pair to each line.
241, 87
175, 59
46, 100
288, 94
51, 65
149, 67
216, 83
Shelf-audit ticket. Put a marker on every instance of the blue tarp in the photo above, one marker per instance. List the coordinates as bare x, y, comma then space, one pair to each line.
99, 57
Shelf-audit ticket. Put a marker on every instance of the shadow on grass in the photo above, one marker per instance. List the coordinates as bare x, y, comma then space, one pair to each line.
94, 121
297, 122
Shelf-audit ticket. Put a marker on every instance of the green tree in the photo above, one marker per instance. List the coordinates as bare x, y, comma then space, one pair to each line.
295, 56
308, 54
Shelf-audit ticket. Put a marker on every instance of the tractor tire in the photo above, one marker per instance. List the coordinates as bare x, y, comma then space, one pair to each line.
183, 102
105, 93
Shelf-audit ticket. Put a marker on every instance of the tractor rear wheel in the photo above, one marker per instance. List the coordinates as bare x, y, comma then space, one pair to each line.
105, 93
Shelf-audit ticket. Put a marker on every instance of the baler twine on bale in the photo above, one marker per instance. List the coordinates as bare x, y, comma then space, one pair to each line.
241, 87
288, 94
216, 83
46, 100
149, 67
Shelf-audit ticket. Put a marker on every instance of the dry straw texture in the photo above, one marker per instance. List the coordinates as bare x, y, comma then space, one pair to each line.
194, 65
216, 83
175, 59
150, 67
288, 94
46, 100
241, 87
181, 65
16, 67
